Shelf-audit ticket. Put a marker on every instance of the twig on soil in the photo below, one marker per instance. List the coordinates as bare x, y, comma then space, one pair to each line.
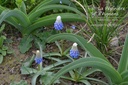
91, 38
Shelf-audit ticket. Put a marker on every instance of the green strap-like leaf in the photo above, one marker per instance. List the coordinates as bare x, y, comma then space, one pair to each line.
2, 38
91, 62
125, 75
25, 44
34, 78
56, 64
27, 70
1, 58
89, 71
123, 63
13, 22
23, 7
97, 80
85, 82
124, 83
49, 20
20, 16
39, 12
49, 2
92, 50
28, 62
1, 9
43, 3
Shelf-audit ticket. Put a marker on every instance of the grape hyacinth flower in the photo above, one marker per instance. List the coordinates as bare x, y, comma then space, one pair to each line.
60, 2
58, 25
38, 59
74, 53
73, 27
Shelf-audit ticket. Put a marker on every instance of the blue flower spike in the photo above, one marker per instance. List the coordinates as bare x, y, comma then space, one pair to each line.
58, 25
74, 53
38, 59
73, 27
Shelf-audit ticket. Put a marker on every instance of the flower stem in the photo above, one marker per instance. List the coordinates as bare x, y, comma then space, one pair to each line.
40, 65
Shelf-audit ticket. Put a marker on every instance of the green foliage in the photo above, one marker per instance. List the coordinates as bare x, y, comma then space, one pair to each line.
105, 67
8, 3
25, 44
104, 25
45, 79
22, 82
114, 76
78, 39
123, 64
117, 2
28, 62
41, 36
45, 73
3, 49
11, 4
1, 9
27, 23
82, 75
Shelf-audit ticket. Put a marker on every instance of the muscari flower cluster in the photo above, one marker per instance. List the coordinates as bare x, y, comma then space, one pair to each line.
58, 25
38, 59
74, 53
73, 27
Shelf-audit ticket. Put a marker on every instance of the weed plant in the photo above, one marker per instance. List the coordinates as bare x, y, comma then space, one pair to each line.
103, 25
4, 50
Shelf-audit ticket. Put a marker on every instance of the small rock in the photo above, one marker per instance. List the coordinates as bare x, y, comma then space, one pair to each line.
114, 41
